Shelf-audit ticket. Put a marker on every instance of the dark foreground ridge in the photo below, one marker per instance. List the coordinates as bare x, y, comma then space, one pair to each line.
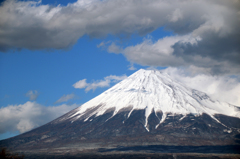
140, 152
233, 149
144, 152
137, 156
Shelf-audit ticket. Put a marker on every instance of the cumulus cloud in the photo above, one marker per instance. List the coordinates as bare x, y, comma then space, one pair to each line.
115, 78
100, 83
103, 44
80, 84
95, 85
224, 88
113, 48
66, 98
24, 117
171, 51
32, 94
159, 53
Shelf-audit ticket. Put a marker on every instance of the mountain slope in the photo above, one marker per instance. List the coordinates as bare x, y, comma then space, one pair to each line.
153, 91
146, 108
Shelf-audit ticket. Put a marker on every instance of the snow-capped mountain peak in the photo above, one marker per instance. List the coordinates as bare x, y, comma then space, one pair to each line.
153, 91
146, 108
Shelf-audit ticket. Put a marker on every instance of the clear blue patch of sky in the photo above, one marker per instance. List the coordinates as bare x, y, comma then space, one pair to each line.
56, 2
52, 2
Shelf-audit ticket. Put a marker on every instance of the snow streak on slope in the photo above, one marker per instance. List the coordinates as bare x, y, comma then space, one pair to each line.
153, 91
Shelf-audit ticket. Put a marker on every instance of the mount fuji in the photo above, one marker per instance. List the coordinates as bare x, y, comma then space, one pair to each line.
147, 108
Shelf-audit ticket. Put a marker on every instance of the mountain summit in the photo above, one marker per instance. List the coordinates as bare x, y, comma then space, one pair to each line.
147, 108
153, 92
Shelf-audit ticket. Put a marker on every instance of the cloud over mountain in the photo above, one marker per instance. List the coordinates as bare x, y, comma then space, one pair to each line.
100, 83
224, 88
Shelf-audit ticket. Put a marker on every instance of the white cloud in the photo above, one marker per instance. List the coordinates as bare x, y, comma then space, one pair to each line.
223, 88
80, 84
66, 98
24, 117
32, 94
159, 53
115, 78
103, 44
167, 52
154, 54
96, 84
113, 48
131, 67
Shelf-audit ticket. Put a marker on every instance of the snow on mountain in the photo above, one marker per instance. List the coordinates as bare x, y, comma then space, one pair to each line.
153, 91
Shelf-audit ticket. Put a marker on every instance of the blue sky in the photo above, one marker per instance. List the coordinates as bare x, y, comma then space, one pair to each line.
52, 73
48, 46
